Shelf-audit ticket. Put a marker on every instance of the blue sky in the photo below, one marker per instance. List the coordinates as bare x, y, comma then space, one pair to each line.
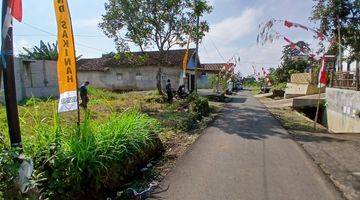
234, 27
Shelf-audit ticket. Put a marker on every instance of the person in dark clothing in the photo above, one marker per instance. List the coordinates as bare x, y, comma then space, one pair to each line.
84, 94
181, 92
169, 91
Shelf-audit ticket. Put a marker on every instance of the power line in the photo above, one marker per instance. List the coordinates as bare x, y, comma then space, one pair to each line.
52, 34
217, 49
203, 46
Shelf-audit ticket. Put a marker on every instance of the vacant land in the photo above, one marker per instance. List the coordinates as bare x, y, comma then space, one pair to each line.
120, 134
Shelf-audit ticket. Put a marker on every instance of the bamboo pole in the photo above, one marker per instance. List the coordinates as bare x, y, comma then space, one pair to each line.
317, 109
12, 113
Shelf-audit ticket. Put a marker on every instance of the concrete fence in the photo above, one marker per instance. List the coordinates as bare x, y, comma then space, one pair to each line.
34, 79
343, 109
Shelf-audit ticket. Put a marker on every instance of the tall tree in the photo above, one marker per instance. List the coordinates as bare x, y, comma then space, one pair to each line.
340, 14
153, 23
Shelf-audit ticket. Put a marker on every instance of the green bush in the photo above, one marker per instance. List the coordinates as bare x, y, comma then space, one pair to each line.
74, 162
279, 86
199, 106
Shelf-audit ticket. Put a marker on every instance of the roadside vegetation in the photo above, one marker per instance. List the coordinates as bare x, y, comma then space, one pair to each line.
293, 120
119, 135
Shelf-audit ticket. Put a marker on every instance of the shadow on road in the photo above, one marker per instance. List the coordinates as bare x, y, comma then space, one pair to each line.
248, 118
249, 123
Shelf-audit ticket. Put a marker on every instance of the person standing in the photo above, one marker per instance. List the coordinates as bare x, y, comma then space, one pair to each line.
84, 94
169, 91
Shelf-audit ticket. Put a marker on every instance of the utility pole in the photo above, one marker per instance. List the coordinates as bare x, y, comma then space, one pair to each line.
197, 42
9, 82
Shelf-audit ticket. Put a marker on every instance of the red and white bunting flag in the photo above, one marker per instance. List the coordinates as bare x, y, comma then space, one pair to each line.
322, 75
288, 24
291, 24
287, 40
319, 34
13, 10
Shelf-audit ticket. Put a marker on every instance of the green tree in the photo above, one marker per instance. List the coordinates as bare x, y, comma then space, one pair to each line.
153, 23
342, 14
43, 52
289, 52
293, 61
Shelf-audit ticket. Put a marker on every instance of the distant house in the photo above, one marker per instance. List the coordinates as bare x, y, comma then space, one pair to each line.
206, 71
135, 71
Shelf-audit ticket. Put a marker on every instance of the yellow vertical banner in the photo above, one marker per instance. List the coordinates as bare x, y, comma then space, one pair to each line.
185, 64
66, 64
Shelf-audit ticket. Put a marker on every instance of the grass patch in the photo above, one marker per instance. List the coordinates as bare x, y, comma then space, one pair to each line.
255, 90
293, 120
119, 135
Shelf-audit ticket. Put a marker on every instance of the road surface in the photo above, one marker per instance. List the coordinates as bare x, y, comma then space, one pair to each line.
246, 154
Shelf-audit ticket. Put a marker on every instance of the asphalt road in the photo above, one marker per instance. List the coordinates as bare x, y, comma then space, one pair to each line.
246, 154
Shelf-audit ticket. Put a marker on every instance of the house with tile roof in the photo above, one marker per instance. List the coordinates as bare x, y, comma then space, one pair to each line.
136, 71
206, 70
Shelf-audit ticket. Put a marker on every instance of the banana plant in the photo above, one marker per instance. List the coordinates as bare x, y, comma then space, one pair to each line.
43, 52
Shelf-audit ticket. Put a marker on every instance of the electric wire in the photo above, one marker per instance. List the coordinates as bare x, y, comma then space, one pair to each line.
53, 34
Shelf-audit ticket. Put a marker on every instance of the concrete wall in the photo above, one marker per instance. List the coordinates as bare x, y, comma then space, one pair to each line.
342, 106
131, 78
34, 79
296, 90
203, 80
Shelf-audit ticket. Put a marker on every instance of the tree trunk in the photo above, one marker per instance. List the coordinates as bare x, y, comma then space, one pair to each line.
158, 79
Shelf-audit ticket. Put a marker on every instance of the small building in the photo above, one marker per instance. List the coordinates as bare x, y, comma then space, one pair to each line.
136, 71
206, 71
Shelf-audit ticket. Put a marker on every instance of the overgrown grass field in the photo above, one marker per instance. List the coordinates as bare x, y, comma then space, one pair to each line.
119, 134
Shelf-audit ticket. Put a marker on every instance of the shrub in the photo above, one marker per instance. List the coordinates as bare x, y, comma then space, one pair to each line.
75, 162
199, 106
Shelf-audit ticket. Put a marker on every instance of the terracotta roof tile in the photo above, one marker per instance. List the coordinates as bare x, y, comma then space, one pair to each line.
214, 67
174, 59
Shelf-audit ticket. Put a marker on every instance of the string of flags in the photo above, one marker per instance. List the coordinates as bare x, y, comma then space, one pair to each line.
317, 34
293, 45
290, 24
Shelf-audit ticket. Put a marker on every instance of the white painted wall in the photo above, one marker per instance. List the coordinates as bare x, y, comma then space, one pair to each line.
130, 78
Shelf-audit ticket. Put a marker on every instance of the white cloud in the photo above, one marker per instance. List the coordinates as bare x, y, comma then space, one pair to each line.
234, 28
